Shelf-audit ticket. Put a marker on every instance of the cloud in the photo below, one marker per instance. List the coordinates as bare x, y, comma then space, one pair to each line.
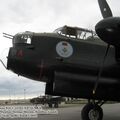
41, 16
45, 12
16, 85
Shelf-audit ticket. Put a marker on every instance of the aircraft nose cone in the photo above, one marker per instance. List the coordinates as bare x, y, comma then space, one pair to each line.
109, 30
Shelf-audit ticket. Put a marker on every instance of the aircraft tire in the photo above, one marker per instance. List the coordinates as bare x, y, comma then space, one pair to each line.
92, 112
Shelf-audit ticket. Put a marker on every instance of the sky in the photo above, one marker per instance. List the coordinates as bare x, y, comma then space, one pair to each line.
40, 16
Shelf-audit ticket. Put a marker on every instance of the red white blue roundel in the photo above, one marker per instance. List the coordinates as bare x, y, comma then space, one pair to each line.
64, 49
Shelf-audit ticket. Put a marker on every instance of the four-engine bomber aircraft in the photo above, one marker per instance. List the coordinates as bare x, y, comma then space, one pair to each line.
73, 61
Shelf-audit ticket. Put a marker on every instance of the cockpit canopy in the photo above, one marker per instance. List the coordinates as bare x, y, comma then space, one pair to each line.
75, 32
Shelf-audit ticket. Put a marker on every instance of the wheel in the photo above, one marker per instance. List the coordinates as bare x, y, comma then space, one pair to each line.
92, 112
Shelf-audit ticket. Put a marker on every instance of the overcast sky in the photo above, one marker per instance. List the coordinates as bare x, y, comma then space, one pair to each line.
41, 16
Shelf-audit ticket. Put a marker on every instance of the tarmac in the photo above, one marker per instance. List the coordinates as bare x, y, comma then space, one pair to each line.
73, 112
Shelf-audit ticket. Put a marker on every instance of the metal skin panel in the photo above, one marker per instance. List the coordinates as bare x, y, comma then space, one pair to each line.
81, 86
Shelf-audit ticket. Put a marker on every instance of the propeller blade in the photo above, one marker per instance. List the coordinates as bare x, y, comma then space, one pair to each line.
105, 9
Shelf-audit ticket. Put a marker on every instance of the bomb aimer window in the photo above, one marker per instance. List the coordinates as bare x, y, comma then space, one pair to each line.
23, 38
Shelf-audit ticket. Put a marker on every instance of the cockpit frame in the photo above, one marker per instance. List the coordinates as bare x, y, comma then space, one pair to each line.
75, 32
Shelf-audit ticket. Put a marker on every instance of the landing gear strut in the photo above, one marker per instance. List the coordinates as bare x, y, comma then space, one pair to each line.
92, 111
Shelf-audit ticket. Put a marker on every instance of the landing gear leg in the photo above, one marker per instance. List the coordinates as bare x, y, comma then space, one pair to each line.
92, 111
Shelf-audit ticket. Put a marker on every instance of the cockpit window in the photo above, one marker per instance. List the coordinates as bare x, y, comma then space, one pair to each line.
25, 38
75, 32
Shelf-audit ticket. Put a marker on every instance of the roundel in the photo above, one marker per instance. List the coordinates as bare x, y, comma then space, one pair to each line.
64, 49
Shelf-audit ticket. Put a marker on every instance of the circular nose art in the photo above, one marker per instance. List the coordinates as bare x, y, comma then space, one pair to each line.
64, 49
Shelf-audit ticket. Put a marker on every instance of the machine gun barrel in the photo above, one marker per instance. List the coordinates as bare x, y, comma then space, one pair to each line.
8, 36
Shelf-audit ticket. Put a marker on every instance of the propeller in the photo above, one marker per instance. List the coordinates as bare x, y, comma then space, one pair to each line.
108, 29
105, 9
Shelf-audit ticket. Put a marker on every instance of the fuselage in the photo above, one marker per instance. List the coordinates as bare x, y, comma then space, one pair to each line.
68, 65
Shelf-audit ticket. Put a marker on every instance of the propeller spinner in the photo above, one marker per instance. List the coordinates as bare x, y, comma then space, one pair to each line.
108, 29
